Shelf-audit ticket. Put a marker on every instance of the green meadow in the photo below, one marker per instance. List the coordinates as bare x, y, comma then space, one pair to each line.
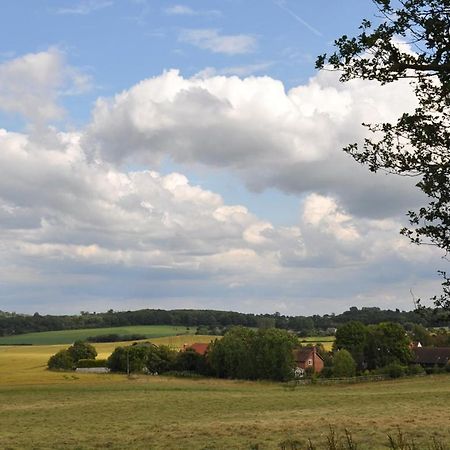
40, 409
70, 336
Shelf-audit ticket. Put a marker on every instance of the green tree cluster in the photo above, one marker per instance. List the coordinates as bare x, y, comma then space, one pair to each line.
374, 346
247, 354
67, 359
190, 361
142, 357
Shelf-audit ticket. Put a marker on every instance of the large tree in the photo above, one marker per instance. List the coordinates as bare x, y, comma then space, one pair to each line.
410, 39
352, 336
387, 343
266, 354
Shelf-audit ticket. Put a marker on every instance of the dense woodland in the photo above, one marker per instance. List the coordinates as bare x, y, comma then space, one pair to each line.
12, 323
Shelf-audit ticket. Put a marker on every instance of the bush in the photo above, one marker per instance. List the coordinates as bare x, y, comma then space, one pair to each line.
415, 369
61, 361
447, 367
67, 359
434, 370
327, 372
189, 361
90, 363
394, 370
344, 365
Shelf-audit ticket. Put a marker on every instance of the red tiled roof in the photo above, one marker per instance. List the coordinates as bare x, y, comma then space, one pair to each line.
304, 353
199, 347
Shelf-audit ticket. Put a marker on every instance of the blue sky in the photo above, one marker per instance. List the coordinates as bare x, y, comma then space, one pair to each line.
118, 43
188, 154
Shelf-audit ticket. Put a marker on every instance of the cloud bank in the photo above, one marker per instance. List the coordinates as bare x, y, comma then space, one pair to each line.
269, 137
79, 229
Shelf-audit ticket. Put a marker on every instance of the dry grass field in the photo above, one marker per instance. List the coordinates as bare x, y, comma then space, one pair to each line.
42, 409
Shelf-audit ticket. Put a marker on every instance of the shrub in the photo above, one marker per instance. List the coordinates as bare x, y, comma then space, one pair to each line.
415, 369
343, 364
447, 367
327, 372
61, 361
189, 361
434, 370
394, 370
90, 363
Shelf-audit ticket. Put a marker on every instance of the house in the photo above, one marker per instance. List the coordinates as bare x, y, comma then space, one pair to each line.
199, 347
431, 356
307, 358
414, 344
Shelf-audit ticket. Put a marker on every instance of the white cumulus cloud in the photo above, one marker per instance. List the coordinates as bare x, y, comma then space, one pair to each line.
252, 126
30, 85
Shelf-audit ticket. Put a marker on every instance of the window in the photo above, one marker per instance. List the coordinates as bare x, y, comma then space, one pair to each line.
309, 362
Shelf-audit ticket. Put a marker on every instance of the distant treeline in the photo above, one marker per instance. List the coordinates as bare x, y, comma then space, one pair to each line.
12, 323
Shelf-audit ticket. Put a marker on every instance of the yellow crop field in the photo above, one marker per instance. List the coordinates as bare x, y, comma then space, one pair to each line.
27, 364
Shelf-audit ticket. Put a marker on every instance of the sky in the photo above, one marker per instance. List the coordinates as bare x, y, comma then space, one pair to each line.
158, 154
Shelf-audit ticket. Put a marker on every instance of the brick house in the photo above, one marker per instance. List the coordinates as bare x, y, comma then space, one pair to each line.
307, 358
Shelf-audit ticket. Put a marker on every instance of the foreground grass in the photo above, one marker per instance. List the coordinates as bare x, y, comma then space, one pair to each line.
167, 413
70, 336
42, 409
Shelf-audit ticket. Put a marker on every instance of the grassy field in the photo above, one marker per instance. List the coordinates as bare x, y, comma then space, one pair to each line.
70, 336
41, 409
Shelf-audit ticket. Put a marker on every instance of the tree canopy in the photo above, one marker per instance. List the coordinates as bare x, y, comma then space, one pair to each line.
352, 336
67, 358
266, 354
373, 346
410, 40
